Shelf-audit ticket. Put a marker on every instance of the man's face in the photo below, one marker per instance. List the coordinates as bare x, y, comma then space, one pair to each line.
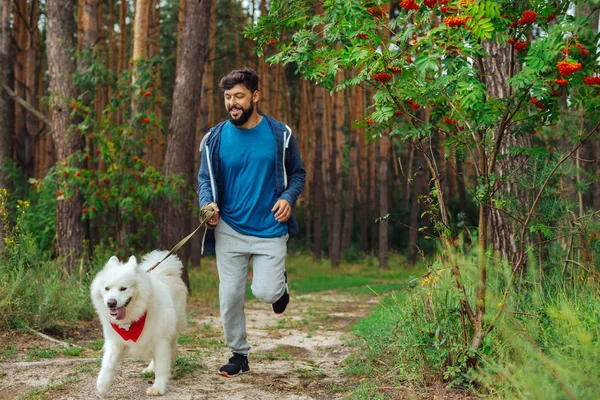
239, 103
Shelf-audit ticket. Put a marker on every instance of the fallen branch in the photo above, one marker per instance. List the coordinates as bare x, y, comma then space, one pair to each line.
25, 364
26, 105
60, 342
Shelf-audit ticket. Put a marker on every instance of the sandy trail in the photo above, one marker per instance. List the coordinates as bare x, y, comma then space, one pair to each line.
296, 355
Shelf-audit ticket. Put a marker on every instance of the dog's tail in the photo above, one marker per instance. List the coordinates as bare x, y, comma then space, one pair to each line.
169, 272
169, 268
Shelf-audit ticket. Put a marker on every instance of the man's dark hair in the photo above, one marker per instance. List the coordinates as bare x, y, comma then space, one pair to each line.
247, 76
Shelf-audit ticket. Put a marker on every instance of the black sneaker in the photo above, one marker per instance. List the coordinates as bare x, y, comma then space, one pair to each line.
280, 305
238, 364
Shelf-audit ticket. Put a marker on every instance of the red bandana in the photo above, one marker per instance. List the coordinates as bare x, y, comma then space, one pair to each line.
134, 331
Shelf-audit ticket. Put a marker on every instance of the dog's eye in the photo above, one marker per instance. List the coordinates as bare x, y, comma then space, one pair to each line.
106, 288
123, 288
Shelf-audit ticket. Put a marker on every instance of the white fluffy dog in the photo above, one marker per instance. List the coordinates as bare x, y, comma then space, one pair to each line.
141, 313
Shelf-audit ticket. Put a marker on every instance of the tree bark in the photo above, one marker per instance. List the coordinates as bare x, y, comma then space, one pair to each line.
122, 63
140, 29
317, 189
497, 71
5, 103
264, 72
179, 157
356, 111
336, 176
89, 24
385, 143
25, 26
70, 232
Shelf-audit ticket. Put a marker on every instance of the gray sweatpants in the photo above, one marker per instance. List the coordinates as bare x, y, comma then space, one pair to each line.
234, 252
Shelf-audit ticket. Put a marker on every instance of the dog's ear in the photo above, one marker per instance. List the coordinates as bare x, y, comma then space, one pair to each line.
113, 260
132, 260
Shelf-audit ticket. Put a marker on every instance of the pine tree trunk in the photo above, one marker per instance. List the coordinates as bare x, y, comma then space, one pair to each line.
233, 6
350, 192
264, 72
363, 182
337, 173
113, 58
179, 157
41, 138
89, 24
180, 19
385, 143
70, 232
140, 29
497, 71
5, 104
317, 189
25, 20
122, 63
373, 204
154, 149
305, 138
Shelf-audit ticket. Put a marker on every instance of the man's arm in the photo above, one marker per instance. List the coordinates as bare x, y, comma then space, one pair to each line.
296, 174
205, 194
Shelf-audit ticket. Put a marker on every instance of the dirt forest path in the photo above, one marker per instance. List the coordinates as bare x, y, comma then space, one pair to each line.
296, 355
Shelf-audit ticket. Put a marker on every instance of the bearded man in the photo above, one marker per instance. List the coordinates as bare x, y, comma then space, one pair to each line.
251, 174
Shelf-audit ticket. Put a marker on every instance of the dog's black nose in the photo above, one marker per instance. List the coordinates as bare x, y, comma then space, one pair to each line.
112, 303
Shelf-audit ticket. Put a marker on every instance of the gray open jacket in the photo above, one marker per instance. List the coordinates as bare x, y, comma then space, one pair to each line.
289, 171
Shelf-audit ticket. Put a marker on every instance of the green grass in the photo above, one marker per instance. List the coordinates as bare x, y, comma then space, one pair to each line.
8, 352
308, 276
41, 393
310, 373
41, 353
96, 344
187, 365
278, 353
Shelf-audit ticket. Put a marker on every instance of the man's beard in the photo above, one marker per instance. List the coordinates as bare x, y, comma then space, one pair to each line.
244, 117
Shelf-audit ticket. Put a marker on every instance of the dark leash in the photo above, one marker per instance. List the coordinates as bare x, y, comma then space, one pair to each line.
206, 213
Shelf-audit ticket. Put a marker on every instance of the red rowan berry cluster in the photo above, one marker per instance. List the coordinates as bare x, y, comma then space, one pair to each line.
449, 121
528, 17
537, 103
566, 68
520, 46
362, 36
430, 3
377, 11
369, 121
413, 105
591, 80
455, 21
382, 77
409, 5
584, 51
396, 70
561, 82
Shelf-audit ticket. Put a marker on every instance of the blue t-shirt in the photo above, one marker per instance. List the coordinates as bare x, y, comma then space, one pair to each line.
247, 179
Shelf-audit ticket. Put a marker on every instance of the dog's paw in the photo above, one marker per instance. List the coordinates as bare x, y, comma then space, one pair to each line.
156, 391
102, 387
149, 368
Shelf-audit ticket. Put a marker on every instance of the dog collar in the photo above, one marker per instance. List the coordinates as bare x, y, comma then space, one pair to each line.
134, 331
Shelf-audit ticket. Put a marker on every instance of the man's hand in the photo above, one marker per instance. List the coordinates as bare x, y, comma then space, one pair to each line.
213, 221
283, 210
